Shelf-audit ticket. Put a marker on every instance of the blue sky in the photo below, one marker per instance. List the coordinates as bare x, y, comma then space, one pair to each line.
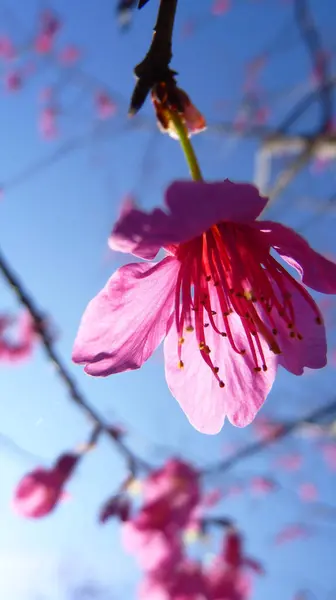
60, 200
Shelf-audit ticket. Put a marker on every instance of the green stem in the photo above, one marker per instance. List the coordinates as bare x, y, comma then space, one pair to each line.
186, 145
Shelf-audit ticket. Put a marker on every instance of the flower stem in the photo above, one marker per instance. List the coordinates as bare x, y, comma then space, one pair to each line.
186, 145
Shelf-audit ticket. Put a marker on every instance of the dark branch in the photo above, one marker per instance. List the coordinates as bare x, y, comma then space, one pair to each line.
314, 46
67, 380
155, 66
255, 448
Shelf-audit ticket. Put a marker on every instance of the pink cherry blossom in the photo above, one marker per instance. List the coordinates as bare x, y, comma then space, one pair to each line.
229, 576
48, 123
308, 492
176, 480
154, 545
290, 462
262, 485
265, 429
39, 492
49, 27
329, 454
14, 351
13, 81
69, 55
106, 107
229, 312
291, 532
7, 50
220, 7
185, 582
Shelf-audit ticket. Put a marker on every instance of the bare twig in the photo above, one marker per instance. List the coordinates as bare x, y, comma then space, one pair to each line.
257, 447
64, 375
313, 42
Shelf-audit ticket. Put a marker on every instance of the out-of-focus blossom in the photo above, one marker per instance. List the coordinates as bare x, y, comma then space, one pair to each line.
106, 107
229, 576
49, 27
177, 481
220, 7
13, 81
11, 350
308, 492
262, 485
186, 582
265, 429
290, 462
229, 312
48, 123
69, 55
39, 492
291, 533
7, 50
329, 454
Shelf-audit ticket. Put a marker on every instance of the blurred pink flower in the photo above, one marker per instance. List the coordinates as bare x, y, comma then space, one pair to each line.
48, 124
329, 454
7, 50
149, 539
308, 492
177, 481
219, 7
39, 492
290, 533
69, 55
262, 485
230, 574
13, 81
106, 107
49, 27
15, 351
264, 428
185, 582
290, 462
229, 312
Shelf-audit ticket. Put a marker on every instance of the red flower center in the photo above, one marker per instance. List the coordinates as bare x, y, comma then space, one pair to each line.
231, 267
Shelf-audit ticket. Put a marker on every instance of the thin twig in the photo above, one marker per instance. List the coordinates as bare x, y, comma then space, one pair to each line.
257, 447
313, 43
64, 375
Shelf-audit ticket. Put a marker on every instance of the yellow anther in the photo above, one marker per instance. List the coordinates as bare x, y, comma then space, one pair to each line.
181, 364
202, 346
181, 340
189, 329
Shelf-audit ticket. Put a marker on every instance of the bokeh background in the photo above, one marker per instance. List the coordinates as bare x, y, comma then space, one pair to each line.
247, 65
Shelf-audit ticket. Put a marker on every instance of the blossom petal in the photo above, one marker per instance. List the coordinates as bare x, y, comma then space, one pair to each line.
192, 207
311, 351
317, 272
196, 388
127, 320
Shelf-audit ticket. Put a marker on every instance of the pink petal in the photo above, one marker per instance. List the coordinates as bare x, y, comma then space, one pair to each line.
127, 320
316, 271
192, 207
196, 389
311, 351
